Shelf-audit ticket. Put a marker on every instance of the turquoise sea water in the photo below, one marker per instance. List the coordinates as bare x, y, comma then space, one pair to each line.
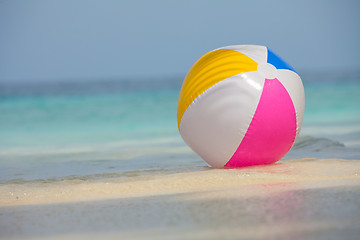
101, 129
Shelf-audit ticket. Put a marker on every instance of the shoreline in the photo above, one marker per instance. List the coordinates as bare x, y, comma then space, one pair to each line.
323, 172
293, 199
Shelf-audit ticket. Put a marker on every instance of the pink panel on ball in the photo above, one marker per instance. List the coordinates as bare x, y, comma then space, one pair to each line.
272, 130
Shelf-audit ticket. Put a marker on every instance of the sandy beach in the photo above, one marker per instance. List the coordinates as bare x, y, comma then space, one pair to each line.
293, 199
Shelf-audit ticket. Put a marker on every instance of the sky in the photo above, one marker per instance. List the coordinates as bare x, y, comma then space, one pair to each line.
52, 40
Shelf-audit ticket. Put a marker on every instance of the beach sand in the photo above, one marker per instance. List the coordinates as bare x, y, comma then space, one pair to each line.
292, 199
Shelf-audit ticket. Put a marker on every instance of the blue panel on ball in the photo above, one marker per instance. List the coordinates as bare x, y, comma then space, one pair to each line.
277, 61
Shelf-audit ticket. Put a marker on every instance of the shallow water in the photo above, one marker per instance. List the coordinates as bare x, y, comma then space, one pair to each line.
105, 129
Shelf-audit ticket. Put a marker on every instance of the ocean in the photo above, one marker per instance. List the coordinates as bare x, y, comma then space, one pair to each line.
103, 129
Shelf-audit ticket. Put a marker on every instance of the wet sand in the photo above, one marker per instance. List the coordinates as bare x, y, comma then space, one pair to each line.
293, 199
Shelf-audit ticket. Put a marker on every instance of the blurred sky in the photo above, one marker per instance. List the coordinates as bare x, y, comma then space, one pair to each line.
44, 40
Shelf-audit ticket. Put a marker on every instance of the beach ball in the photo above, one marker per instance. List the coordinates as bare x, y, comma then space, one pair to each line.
240, 105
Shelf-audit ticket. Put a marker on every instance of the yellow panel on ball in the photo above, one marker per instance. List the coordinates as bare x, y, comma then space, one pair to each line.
210, 69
